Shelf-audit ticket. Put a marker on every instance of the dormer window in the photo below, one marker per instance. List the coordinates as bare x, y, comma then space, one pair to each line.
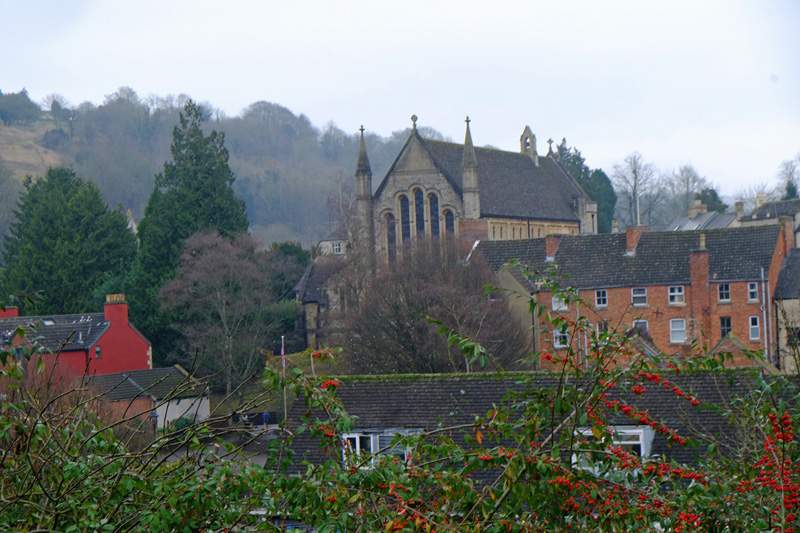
357, 446
337, 247
636, 440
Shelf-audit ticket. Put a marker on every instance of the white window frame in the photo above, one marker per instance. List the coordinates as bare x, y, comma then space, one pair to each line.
673, 330
625, 435
560, 335
374, 442
337, 247
719, 292
643, 292
598, 295
754, 322
558, 304
676, 295
752, 288
646, 325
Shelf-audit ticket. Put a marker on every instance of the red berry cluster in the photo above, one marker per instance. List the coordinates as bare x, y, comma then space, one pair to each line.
668, 385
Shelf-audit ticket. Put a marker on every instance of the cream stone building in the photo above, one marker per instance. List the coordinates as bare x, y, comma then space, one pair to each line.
435, 188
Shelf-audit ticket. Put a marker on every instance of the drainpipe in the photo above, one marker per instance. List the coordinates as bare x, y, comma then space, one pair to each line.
764, 305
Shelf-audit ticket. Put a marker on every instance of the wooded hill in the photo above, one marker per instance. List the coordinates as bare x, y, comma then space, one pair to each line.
287, 170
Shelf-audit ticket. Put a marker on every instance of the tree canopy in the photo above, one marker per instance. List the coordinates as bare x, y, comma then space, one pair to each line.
221, 302
64, 243
594, 181
193, 193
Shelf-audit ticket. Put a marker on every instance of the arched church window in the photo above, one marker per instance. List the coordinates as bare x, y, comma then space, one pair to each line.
391, 237
433, 200
419, 212
449, 221
405, 218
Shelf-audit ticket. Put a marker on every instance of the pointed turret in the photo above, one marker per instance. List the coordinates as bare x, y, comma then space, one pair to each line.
527, 145
471, 192
364, 232
363, 161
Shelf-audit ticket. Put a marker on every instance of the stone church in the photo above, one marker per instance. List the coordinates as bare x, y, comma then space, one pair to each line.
435, 188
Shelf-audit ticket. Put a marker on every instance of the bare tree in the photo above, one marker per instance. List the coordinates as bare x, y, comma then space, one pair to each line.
390, 331
683, 184
789, 177
637, 182
221, 302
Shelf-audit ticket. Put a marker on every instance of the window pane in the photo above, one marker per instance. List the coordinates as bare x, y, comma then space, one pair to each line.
449, 222
433, 200
724, 292
391, 237
677, 330
419, 211
724, 326
754, 329
752, 292
405, 218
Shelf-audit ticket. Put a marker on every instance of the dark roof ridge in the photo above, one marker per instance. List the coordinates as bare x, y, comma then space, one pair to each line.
515, 373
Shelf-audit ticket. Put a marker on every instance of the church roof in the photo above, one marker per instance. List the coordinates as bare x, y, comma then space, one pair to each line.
311, 287
511, 185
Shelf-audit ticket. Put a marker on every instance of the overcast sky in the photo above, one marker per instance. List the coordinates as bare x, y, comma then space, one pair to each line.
715, 84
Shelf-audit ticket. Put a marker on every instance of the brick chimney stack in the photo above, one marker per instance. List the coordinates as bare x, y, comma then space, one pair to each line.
116, 309
9, 312
739, 208
632, 236
787, 224
551, 243
697, 208
700, 290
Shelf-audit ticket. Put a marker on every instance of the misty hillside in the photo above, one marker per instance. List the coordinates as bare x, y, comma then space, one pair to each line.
287, 168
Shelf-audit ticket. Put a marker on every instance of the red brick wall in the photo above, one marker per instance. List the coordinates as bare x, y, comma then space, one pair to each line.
700, 310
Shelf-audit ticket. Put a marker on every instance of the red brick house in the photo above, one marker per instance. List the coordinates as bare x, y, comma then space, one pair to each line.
677, 288
92, 343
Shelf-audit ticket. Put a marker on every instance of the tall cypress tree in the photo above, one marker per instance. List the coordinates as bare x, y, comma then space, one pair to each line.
64, 244
594, 182
193, 193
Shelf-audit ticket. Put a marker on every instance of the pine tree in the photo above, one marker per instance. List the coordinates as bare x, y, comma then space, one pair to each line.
64, 243
791, 190
193, 193
594, 182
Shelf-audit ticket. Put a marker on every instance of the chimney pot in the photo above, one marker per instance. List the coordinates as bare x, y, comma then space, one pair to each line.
761, 199
116, 298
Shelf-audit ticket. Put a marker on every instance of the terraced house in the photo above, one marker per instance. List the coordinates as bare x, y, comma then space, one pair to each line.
714, 288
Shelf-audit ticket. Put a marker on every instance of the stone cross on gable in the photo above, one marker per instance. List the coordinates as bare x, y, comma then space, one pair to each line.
414, 121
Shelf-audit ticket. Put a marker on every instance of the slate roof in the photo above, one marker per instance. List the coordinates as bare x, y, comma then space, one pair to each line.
775, 210
430, 401
157, 383
510, 184
594, 261
712, 220
57, 332
789, 278
311, 287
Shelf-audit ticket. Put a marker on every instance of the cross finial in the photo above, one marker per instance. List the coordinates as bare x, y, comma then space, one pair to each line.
361, 129
550, 143
467, 120
414, 121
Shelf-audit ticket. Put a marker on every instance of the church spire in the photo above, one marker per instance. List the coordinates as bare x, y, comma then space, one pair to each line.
469, 171
363, 161
469, 160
